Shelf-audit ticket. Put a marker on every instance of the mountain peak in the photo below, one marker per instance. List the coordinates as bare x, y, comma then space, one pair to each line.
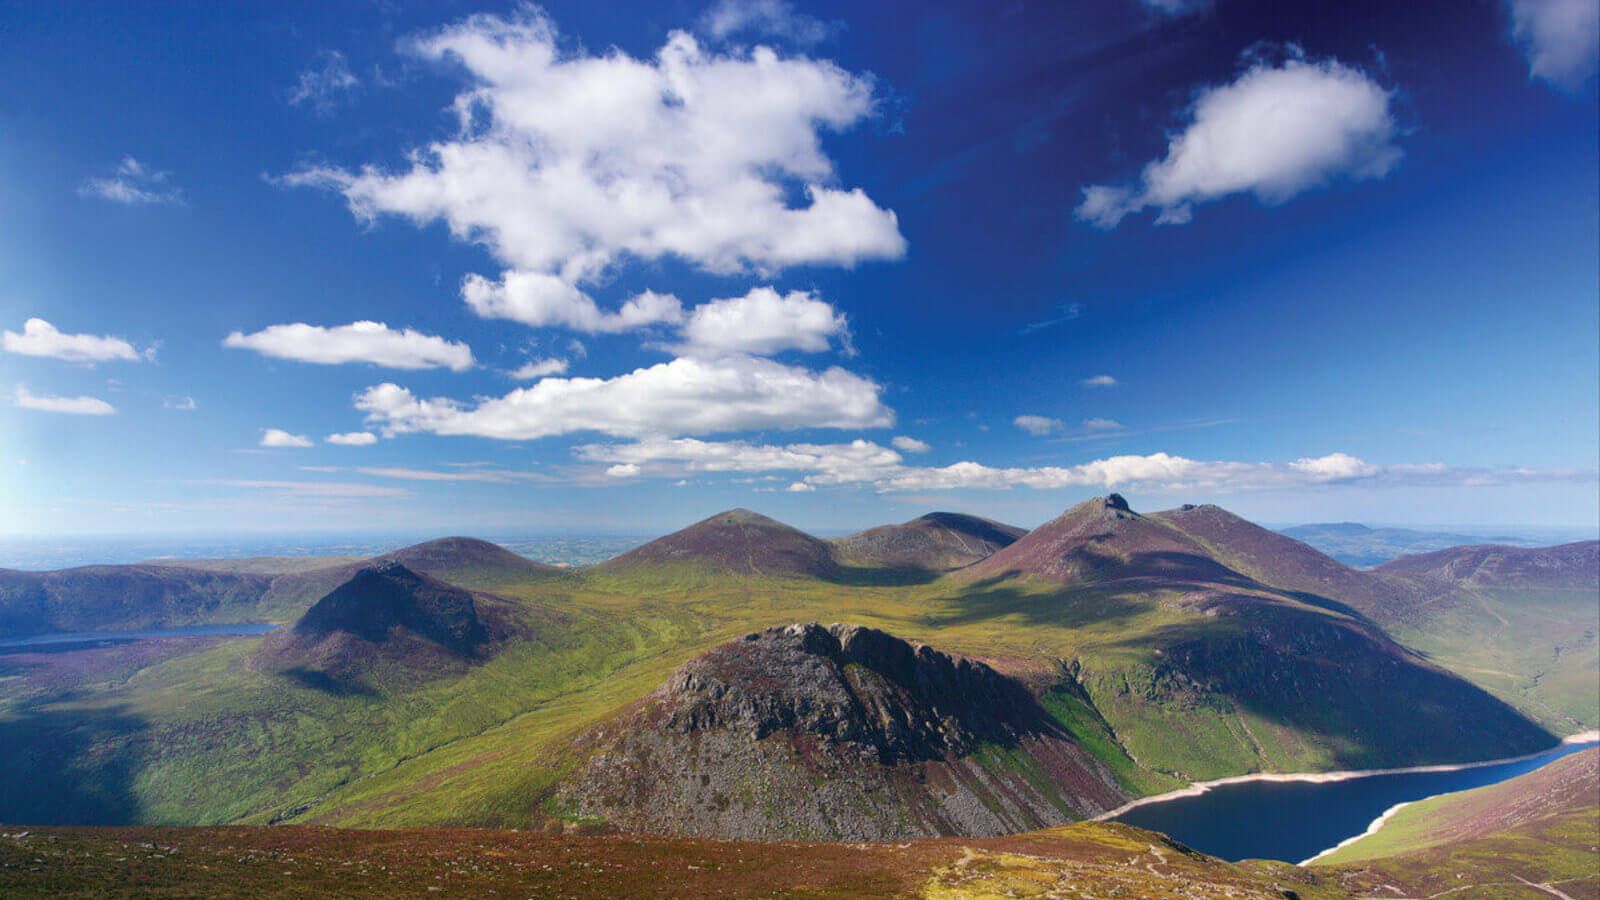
936, 542
737, 541
385, 597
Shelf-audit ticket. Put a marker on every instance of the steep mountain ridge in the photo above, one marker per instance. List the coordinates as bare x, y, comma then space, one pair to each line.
837, 732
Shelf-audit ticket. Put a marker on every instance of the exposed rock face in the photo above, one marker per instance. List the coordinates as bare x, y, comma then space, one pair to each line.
936, 542
387, 596
738, 542
837, 732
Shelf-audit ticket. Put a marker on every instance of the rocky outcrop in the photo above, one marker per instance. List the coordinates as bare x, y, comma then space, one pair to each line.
836, 732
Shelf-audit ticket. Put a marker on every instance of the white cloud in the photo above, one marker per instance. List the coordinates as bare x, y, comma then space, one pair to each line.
1038, 426
1100, 381
539, 368
40, 338
623, 470
1276, 131
540, 299
181, 404
799, 487
569, 162
775, 18
763, 322
322, 488
909, 444
866, 463
1560, 38
358, 342
326, 85
1099, 424
134, 184
684, 396
353, 439
277, 437
490, 476
76, 406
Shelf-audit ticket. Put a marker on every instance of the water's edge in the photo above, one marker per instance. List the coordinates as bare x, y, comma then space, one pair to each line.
1372, 829
1201, 787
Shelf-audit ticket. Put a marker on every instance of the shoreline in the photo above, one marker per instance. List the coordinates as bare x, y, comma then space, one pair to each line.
1201, 787
1372, 828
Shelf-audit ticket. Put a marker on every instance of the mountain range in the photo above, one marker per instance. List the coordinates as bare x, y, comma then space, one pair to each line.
984, 680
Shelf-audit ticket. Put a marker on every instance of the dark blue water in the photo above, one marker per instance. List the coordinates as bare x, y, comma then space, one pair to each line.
1294, 821
61, 641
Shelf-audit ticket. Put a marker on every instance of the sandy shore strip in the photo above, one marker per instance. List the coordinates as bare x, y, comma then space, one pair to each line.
1372, 829
1200, 787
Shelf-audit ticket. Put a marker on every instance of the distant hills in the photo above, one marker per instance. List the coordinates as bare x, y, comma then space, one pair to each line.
934, 543
1358, 545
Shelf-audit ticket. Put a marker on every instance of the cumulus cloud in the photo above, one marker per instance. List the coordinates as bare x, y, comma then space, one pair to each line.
325, 85
799, 487
1103, 381
40, 338
539, 299
909, 444
622, 470
277, 438
540, 368
1275, 132
1560, 38
866, 463
684, 396
763, 322
75, 406
358, 342
134, 184
772, 18
353, 439
568, 162
1038, 426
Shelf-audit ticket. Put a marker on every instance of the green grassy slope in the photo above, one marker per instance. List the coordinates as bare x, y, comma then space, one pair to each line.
1158, 680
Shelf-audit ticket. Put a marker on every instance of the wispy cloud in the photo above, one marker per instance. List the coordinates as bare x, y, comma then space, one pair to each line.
134, 184
73, 406
1099, 381
1066, 312
321, 488
326, 85
764, 18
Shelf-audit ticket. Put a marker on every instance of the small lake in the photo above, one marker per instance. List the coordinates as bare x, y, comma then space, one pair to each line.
79, 640
1294, 821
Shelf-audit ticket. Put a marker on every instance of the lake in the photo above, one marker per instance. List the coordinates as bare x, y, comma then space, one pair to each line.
78, 640
1294, 821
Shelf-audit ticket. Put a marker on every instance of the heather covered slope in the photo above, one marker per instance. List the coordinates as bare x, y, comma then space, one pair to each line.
836, 733
1082, 860
736, 542
936, 542
1535, 836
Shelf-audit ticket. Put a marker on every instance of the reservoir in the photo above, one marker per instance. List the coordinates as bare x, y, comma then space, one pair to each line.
64, 641
1294, 821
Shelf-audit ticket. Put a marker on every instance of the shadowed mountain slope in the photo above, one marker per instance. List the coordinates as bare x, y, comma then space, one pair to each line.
936, 542
91, 598
1568, 567
836, 732
1103, 540
736, 542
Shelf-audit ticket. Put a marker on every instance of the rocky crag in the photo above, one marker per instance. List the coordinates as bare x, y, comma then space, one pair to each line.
835, 732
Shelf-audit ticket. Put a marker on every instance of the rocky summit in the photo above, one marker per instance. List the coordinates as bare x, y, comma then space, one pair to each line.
838, 732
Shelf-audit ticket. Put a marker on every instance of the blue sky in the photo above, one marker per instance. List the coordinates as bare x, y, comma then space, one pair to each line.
842, 263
